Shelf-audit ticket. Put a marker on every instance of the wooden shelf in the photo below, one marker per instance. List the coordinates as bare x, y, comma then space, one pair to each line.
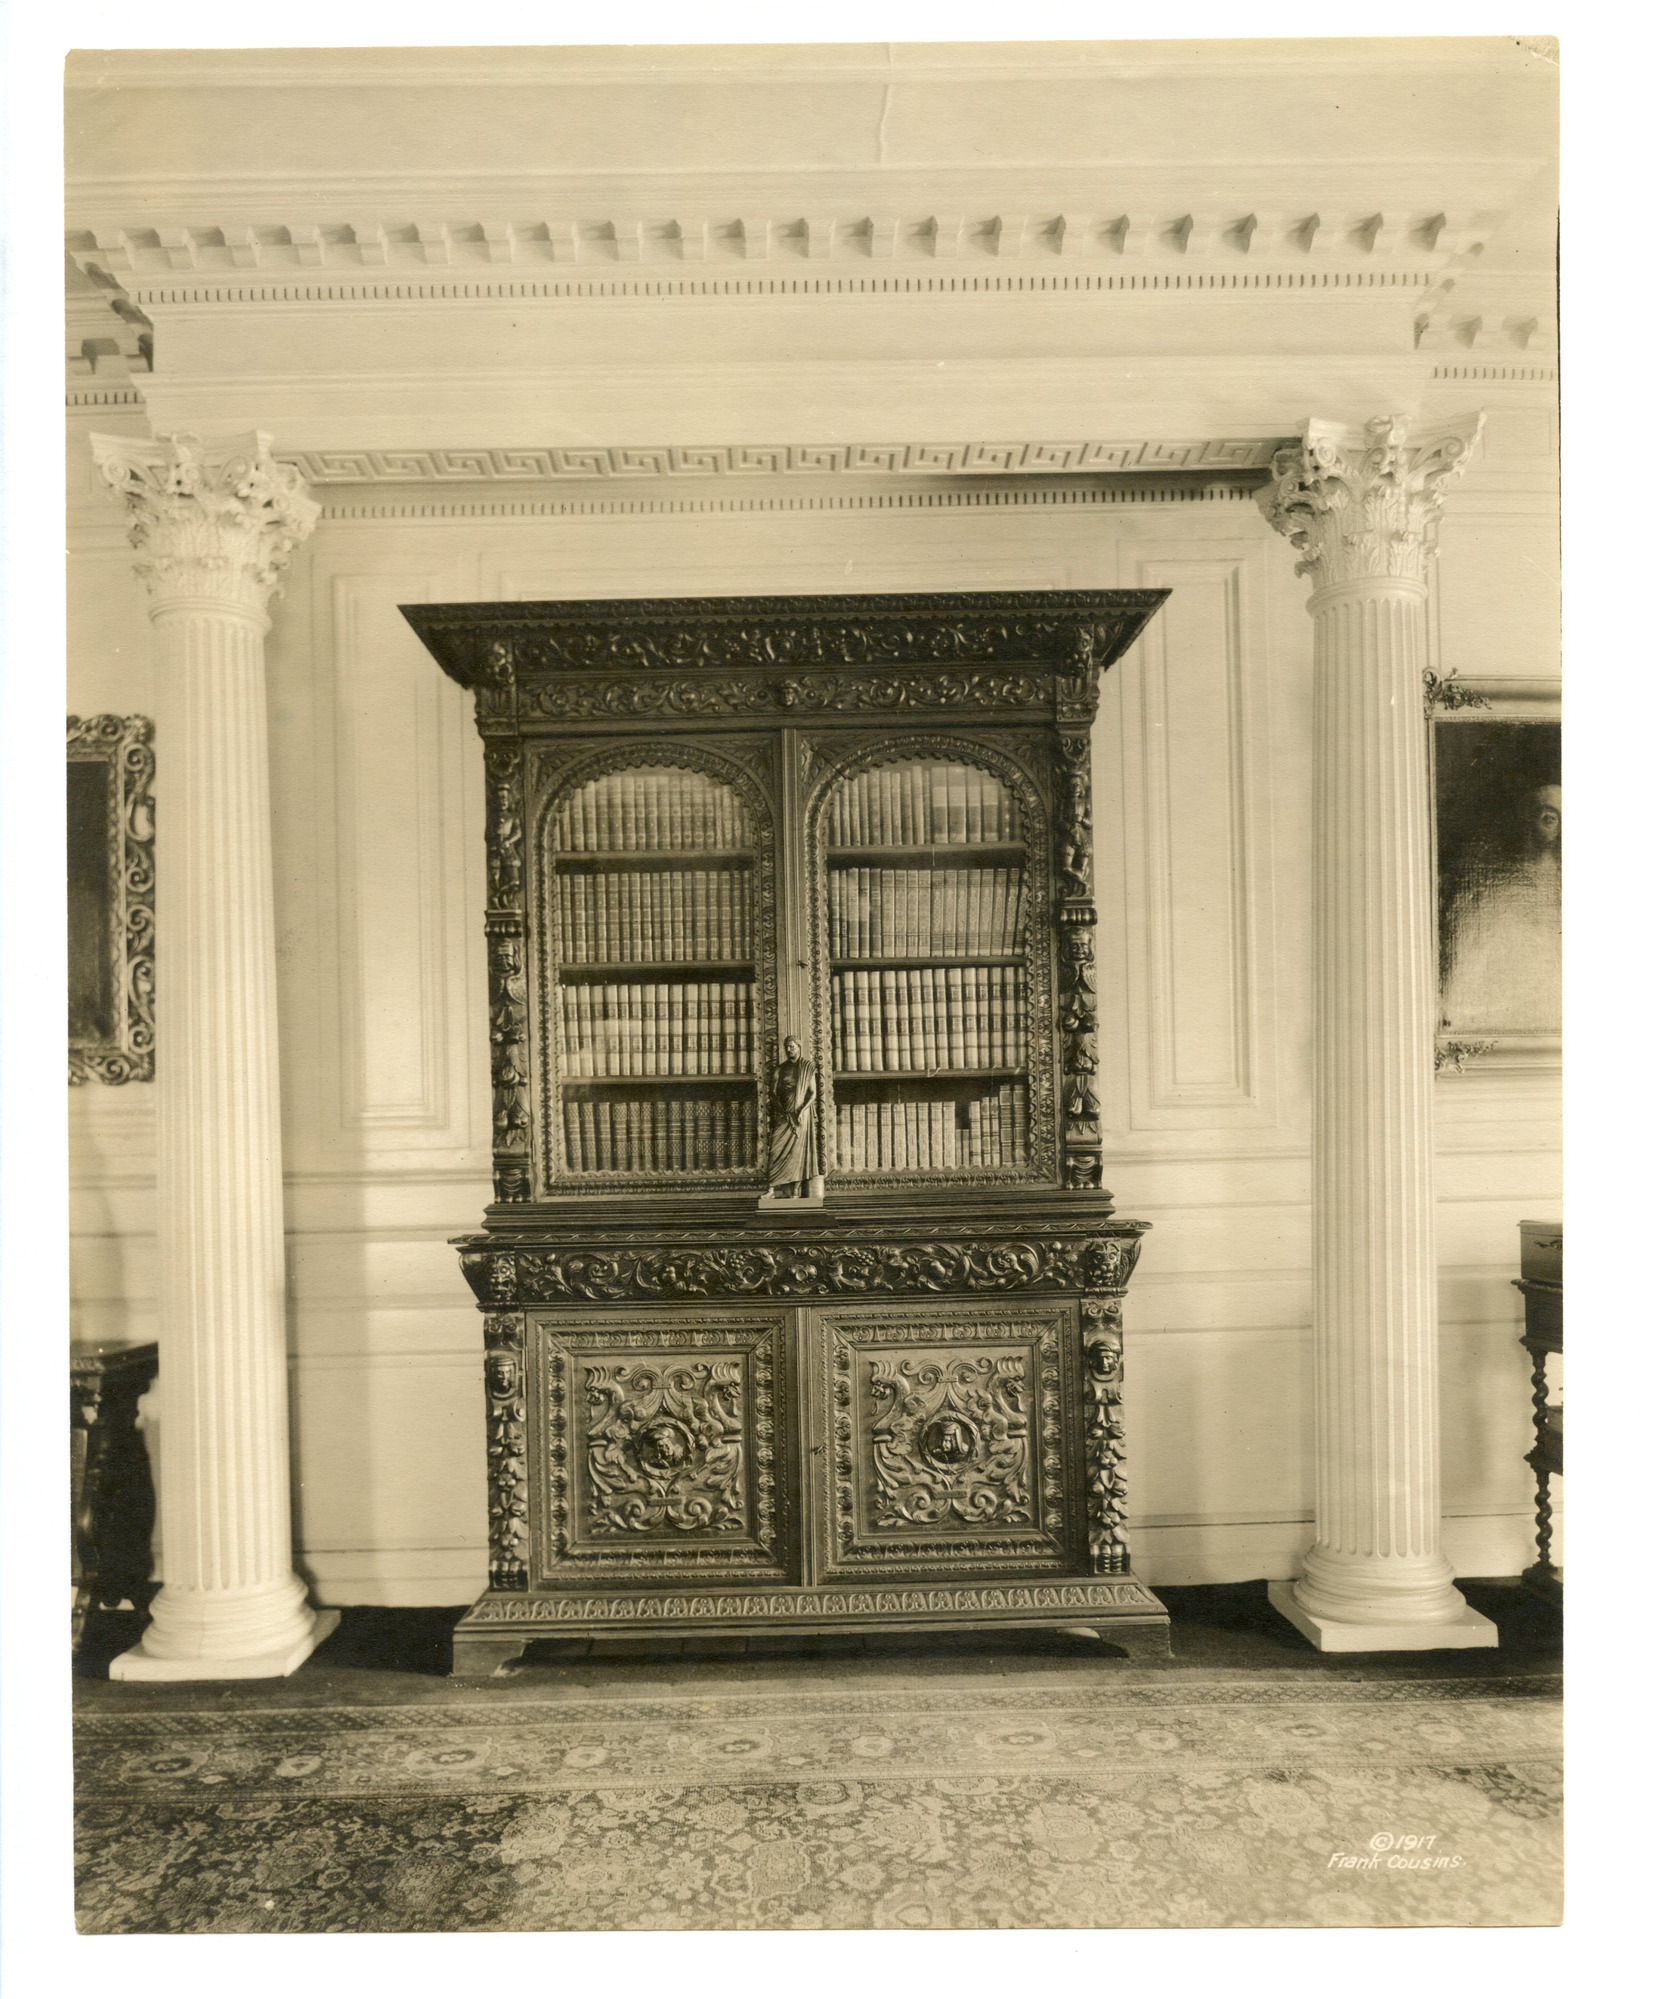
942, 1076
675, 971
954, 854
918, 961
578, 1086
650, 861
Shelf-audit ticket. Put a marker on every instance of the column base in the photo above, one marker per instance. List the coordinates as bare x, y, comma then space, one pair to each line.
141, 1665
1468, 1629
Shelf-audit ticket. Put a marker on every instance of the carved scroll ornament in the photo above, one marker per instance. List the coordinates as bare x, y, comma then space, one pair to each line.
665, 1447
610, 1272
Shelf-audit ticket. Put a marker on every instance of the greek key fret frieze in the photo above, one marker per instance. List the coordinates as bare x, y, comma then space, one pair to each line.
507, 1419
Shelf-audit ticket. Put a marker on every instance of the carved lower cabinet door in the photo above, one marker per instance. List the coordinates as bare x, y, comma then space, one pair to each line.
949, 1448
668, 1448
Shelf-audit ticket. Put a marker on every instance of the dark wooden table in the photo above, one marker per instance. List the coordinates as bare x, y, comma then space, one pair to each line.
113, 1496
1540, 1285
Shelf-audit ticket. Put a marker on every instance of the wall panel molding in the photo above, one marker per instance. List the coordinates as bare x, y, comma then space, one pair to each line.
393, 1025
1198, 867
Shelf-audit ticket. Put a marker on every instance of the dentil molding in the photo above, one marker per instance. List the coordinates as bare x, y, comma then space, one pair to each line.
1235, 235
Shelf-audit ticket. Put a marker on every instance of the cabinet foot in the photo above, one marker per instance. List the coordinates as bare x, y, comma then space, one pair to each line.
478, 1658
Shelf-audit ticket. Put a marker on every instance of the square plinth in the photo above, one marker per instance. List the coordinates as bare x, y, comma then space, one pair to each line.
1328, 1635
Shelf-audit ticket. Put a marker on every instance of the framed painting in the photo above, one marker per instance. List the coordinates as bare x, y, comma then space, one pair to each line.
111, 854
1497, 762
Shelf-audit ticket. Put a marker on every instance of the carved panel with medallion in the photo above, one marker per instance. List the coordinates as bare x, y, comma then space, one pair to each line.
667, 1454
949, 1445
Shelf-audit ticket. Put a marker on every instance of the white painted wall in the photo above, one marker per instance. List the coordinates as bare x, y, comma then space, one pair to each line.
1202, 783
791, 248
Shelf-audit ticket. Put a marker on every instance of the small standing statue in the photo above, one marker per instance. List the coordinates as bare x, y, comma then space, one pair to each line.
794, 1176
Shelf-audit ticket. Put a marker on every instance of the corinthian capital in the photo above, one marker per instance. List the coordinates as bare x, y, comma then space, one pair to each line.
215, 521
1364, 502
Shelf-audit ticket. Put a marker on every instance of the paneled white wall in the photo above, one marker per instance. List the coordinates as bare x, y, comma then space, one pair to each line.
1202, 782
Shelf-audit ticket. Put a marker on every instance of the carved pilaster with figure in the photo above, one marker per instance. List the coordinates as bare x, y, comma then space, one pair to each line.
507, 974
1102, 1335
506, 1386
1076, 954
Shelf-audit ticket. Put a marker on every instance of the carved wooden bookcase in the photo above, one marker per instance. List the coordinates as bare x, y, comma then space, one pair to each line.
865, 823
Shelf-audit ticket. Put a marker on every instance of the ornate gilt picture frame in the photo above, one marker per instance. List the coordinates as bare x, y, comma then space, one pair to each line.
1496, 755
111, 883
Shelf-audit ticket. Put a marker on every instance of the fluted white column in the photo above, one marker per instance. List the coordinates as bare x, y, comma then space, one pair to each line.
1363, 503
214, 525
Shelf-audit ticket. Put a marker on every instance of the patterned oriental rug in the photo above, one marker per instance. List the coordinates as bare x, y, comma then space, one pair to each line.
1089, 1805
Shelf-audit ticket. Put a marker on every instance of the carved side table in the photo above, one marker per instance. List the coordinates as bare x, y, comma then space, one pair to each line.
113, 1496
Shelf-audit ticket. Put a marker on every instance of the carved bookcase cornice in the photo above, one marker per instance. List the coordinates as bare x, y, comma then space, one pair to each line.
785, 656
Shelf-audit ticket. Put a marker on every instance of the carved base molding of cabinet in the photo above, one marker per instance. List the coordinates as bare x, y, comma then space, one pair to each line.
784, 892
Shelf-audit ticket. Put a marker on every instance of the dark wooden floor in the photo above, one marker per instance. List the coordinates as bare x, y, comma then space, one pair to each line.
382, 1656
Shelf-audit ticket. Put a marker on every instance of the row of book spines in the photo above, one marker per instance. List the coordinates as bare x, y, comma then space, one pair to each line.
935, 1137
656, 1030
632, 1135
885, 912
921, 805
632, 811
653, 918
974, 1017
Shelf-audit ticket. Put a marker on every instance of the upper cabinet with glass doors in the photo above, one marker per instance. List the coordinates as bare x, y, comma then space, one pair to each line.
863, 824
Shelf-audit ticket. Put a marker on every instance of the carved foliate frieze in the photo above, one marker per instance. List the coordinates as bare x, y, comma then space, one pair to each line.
1102, 1337
774, 655
643, 1268
507, 1417
1004, 1600
662, 1449
952, 635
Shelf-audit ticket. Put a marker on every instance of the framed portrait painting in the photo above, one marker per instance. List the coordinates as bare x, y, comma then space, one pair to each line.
111, 857
1497, 760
